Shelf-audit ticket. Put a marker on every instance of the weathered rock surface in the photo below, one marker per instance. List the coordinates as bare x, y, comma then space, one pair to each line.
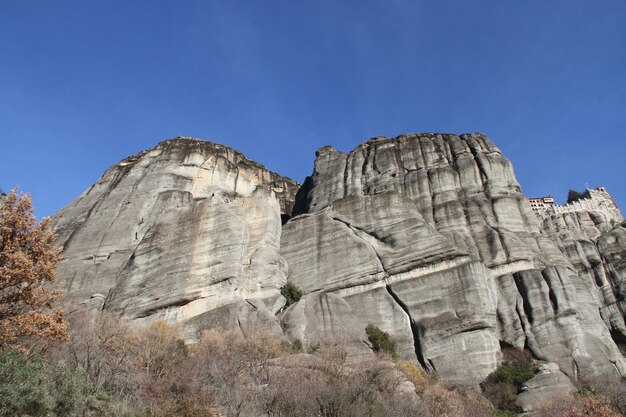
181, 231
426, 236
596, 246
429, 237
547, 383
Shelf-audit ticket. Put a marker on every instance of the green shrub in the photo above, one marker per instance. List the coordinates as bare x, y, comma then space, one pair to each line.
69, 389
291, 293
23, 386
27, 389
574, 195
502, 386
296, 346
504, 413
503, 397
380, 340
513, 373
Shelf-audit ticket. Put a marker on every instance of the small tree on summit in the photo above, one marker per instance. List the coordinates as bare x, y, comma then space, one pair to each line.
28, 260
574, 195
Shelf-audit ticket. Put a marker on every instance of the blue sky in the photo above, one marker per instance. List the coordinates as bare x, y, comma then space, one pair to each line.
84, 84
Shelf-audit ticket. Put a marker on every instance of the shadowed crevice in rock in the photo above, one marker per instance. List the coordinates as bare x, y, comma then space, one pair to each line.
301, 199
479, 162
620, 340
523, 292
175, 303
414, 330
359, 232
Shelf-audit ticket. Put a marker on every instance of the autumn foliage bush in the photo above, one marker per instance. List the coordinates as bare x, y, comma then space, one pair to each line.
414, 374
28, 260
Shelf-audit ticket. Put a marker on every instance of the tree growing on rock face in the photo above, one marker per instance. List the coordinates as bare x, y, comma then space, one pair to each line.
28, 260
291, 293
380, 340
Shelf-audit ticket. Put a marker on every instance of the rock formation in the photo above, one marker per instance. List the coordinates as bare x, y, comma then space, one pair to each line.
594, 241
188, 231
426, 236
548, 382
440, 249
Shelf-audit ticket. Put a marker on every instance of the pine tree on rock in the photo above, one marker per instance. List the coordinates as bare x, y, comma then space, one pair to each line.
28, 261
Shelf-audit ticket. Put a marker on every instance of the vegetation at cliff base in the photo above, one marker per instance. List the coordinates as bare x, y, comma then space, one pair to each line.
27, 388
107, 369
502, 386
96, 365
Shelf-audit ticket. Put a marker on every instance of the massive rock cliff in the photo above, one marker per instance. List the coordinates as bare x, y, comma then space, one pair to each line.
593, 238
188, 231
440, 249
426, 236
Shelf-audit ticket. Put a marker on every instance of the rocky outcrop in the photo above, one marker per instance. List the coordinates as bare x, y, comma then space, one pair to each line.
426, 236
430, 238
183, 231
595, 244
548, 383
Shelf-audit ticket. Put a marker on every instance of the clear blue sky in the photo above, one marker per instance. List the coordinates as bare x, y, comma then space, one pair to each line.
84, 84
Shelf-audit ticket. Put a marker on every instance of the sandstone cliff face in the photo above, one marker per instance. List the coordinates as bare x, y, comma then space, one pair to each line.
430, 238
595, 244
185, 231
426, 236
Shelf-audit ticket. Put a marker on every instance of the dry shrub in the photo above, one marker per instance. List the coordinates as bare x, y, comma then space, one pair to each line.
236, 369
99, 344
563, 404
502, 386
259, 375
366, 387
615, 391
414, 374
142, 372
170, 381
334, 349
151, 372
595, 405
503, 396
157, 349
440, 401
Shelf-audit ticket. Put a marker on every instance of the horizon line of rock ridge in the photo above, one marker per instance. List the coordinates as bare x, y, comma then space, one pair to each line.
379, 139
203, 142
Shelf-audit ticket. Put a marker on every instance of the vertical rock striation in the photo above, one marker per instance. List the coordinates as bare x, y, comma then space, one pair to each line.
594, 241
429, 237
426, 236
185, 231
